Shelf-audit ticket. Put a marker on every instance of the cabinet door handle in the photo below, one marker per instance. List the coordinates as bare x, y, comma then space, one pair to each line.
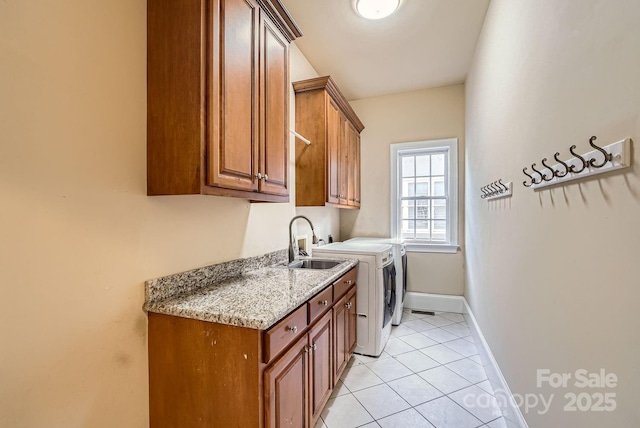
308, 350
348, 305
324, 302
266, 177
259, 176
293, 329
314, 346
348, 282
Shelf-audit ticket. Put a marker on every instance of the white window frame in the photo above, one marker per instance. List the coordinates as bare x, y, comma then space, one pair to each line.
449, 145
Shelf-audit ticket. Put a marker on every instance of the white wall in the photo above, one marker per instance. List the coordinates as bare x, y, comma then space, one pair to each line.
553, 276
413, 116
78, 235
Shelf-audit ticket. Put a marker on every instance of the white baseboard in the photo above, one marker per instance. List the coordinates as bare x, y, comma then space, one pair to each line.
434, 302
510, 411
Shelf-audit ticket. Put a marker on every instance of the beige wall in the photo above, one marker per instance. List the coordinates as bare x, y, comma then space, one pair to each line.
78, 235
552, 276
413, 116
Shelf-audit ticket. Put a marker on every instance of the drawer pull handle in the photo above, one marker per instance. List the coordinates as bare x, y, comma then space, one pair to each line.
293, 329
348, 282
324, 302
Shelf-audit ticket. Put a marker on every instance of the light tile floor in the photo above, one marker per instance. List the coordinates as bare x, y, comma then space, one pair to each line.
429, 375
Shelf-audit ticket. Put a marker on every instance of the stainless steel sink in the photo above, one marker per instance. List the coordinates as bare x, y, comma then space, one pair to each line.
313, 264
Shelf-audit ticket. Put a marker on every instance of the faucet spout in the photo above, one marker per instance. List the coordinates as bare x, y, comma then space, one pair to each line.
314, 239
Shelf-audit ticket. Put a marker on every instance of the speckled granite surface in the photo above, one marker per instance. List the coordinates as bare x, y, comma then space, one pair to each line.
256, 298
187, 282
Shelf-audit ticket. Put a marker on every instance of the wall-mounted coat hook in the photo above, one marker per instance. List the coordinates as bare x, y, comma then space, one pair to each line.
566, 167
530, 178
608, 157
542, 177
616, 156
582, 160
497, 189
553, 171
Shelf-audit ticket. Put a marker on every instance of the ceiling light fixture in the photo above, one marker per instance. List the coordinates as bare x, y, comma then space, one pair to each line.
376, 9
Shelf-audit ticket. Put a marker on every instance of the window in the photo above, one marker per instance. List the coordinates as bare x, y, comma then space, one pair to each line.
424, 194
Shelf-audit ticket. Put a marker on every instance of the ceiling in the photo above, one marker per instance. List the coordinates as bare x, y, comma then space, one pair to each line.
424, 44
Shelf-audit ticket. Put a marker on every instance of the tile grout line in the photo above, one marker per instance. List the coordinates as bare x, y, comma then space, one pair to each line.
413, 348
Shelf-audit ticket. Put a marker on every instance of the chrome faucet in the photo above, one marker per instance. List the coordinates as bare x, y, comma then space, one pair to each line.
314, 239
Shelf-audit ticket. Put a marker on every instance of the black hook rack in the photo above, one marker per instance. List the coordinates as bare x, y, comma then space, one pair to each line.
496, 189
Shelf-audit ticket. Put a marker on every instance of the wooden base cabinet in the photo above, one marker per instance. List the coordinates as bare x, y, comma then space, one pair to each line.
204, 374
218, 98
287, 389
298, 384
328, 170
344, 332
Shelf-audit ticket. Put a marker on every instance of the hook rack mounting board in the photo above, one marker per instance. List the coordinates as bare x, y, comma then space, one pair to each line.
620, 150
506, 194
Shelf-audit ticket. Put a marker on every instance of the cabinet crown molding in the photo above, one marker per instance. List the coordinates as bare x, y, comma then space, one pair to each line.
282, 18
328, 84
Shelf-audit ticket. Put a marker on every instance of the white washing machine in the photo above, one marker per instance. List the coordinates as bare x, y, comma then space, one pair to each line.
375, 296
400, 258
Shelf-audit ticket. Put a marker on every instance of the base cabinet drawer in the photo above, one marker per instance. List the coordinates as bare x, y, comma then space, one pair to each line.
341, 286
281, 335
320, 303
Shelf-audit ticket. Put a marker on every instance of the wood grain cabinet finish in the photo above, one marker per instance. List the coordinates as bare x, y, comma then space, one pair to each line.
341, 329
204, 374
218, 98
321, 366
345, 332
287, 388
328, 170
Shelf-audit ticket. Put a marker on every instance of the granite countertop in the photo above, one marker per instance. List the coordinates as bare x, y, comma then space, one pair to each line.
256, 298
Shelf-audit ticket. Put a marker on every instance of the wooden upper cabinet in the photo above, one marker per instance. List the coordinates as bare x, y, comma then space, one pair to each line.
334, 130
328, 170
218, 98
274, 54
232, 154
357, 173
354, 167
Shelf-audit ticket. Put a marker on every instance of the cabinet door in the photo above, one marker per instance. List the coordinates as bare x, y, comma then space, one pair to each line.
274, 123
286, 388
352, 134
334, 132
344, 161
340, 329
352, 322
321, 366
232, 149
354, 169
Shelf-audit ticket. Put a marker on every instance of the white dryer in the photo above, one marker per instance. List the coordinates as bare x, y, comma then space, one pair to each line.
375, 296
400, 258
